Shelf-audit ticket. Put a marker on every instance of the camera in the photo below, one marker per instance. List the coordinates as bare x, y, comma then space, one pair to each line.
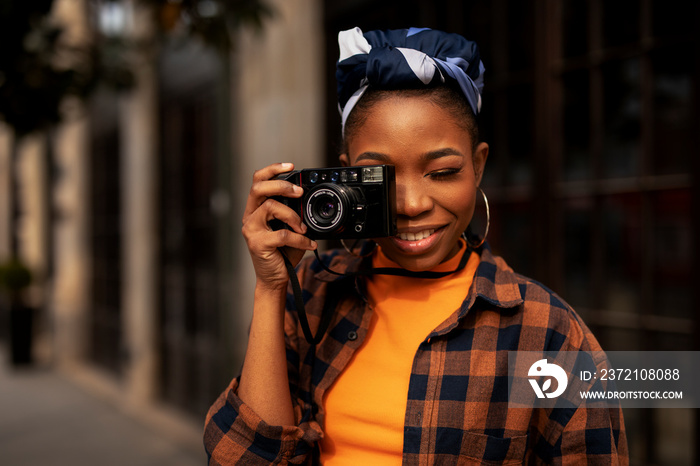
344, 202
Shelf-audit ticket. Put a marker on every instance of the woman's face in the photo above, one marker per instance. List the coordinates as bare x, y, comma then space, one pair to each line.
437, 174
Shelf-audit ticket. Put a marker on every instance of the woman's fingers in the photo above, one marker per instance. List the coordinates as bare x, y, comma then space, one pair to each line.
290, 239
272, 188
271, 171
264, 187
265, 243
259, 223
275, 210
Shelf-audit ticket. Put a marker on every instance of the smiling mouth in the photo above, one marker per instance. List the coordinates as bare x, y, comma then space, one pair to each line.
415, 236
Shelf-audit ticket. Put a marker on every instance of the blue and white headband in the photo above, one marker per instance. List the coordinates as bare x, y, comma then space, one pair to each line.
405, 58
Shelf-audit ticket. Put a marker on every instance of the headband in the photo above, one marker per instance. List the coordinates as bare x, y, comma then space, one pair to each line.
405, 58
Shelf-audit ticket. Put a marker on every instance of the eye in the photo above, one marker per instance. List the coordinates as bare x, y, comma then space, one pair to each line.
444, 173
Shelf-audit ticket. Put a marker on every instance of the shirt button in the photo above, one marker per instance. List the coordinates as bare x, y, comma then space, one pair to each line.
352, 335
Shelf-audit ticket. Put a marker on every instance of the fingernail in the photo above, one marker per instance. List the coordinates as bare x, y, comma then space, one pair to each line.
298, 189
287, 166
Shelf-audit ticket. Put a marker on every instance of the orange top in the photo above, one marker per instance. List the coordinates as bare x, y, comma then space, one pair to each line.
365, 407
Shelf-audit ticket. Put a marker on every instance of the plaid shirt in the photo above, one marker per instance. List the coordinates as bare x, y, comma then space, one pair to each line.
457, 402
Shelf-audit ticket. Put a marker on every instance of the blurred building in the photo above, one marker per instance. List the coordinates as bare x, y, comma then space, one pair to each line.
133, 227
591, 111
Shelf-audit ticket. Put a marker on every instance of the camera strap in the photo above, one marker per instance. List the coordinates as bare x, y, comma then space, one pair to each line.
333, 298
326, 314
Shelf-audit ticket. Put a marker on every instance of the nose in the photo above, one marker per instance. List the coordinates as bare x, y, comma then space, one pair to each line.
412, 199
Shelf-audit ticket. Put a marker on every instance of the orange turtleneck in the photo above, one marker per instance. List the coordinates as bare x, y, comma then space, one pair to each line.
365, 407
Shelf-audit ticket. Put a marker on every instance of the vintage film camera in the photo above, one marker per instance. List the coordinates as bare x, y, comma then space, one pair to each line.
344, 202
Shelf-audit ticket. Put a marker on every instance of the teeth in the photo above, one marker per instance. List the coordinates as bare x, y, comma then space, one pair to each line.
416, 236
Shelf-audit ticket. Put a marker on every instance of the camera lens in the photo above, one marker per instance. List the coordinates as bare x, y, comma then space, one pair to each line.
328, 210
328, 207
324, 209
335, 176
313, 177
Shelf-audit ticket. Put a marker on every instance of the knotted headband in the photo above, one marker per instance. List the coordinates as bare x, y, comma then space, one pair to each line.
405, 58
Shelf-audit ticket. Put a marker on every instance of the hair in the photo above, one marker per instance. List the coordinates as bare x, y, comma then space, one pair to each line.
447, 97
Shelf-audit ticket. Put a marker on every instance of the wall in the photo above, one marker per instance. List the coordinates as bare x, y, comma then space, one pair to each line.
5, 145
278, 103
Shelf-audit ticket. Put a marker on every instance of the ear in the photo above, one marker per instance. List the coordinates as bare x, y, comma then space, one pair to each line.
481, 153
344, 160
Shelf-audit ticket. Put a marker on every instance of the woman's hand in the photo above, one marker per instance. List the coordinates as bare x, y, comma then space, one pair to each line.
264, 242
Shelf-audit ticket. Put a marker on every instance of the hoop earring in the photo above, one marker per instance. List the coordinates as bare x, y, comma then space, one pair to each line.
488, 223
349, 249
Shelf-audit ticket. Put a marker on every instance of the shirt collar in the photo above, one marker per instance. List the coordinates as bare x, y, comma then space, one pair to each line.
494, 281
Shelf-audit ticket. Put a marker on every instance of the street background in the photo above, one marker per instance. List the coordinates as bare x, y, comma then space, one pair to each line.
129, 133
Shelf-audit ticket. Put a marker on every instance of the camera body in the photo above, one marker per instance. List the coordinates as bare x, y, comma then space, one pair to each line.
344, 202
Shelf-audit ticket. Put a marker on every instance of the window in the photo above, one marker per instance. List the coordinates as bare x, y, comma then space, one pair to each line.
105, 239
195, 230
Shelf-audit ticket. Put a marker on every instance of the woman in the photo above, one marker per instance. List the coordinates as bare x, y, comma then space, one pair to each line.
411, 369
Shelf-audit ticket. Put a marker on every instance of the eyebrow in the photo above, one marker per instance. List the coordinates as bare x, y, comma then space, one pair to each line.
432, 155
